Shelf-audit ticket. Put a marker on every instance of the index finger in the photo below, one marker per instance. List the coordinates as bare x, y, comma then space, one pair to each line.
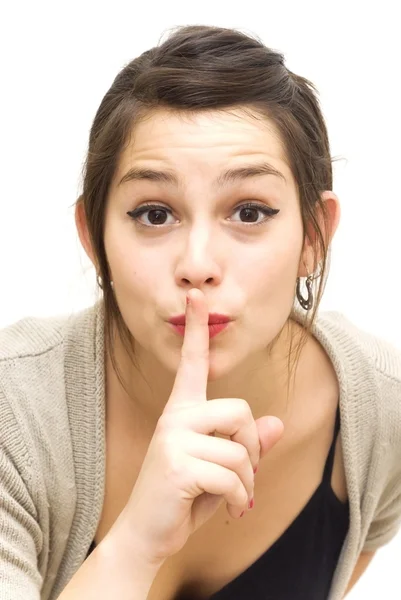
192, 374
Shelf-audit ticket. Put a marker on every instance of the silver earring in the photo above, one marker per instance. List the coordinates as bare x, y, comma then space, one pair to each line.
308, 302
100, 282
305, 303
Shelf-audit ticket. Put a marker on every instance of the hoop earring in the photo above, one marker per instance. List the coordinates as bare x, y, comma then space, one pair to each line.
308, 302
100, 282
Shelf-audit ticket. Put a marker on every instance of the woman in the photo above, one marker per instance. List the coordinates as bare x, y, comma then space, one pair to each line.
201, 431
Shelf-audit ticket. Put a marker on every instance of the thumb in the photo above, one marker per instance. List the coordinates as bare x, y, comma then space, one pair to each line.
270, 430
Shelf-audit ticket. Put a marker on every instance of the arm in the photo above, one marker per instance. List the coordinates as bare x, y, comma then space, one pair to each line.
360, 567
21, 538
112, 570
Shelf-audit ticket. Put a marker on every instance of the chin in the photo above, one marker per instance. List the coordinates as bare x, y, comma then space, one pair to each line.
220, 367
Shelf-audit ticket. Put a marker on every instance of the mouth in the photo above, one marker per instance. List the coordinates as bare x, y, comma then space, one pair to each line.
214, 319
214, 328
216, 323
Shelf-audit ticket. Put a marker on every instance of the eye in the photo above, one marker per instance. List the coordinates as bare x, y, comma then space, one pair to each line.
157, 214
250, 211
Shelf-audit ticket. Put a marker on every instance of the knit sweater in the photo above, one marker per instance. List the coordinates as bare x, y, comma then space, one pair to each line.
52, 444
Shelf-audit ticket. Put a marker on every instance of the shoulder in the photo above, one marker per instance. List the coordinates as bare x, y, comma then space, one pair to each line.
30, 337
31, 364
349, 338
361, 358
39, 361
367, 357
32, 403
369, 368
34, 350
373, 365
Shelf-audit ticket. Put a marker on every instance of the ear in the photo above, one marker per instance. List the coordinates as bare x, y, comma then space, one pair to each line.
82, 228
328, 230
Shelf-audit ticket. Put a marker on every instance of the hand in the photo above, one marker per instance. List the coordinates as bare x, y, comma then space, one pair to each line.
187, 472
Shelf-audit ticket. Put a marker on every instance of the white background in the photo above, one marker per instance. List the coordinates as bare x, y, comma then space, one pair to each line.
59, 58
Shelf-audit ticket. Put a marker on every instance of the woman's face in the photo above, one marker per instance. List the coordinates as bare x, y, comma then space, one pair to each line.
200, 235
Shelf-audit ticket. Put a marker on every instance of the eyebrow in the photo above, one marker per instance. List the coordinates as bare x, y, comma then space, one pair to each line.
169, 177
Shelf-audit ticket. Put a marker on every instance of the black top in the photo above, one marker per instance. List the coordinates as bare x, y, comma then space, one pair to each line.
301, 563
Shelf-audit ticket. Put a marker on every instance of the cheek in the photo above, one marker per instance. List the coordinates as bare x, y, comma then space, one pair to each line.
138, 282
134, 273
269, 271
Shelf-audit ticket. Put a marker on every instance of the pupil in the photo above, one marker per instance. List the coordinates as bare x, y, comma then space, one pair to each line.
158, 213
247, 210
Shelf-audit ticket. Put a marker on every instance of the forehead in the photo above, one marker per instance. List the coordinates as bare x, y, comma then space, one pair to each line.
206, 139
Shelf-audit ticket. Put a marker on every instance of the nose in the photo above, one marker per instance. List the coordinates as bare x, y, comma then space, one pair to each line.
198, 263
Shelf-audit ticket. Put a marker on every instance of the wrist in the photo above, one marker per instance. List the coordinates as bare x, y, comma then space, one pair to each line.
118, 545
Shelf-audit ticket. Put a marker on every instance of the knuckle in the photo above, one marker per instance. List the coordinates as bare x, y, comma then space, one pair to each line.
167, 421
243, 408
165, 440
241, 456
174, 460
174, 465
242, 412
170, 448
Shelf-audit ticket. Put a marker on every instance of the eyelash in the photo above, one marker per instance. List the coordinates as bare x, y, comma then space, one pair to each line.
138, 212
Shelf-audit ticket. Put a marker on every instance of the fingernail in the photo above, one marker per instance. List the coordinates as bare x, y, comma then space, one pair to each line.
251, 504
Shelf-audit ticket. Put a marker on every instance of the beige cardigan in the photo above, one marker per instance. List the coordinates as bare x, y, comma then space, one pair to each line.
52, 445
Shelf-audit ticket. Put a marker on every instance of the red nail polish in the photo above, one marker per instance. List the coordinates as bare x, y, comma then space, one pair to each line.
251, 504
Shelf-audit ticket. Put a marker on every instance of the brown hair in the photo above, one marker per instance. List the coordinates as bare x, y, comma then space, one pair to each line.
208, 68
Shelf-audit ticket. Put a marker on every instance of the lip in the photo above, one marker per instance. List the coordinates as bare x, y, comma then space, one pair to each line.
214, 319
213, 329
